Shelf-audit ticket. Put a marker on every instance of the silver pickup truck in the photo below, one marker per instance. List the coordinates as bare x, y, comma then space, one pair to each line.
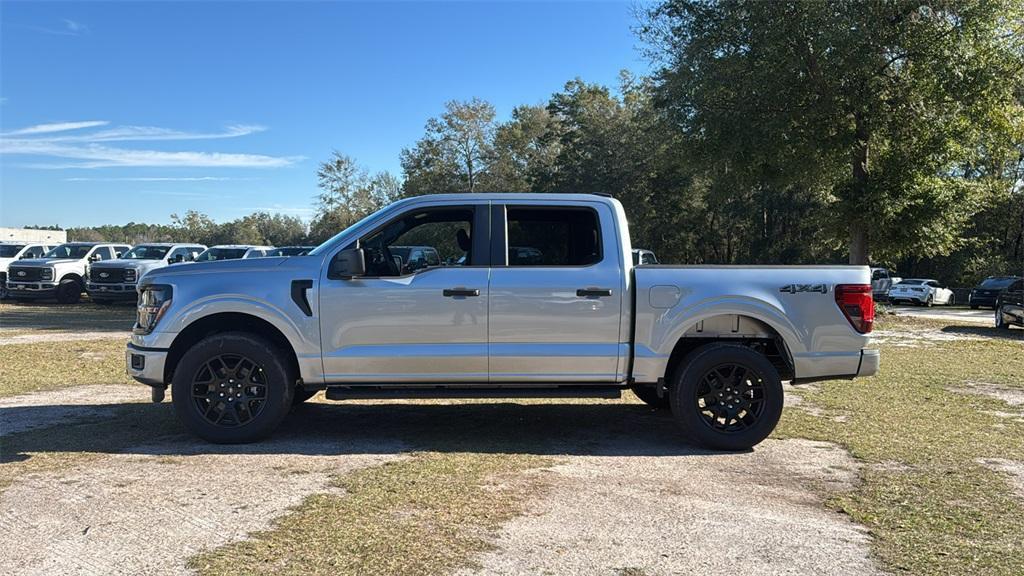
565, 314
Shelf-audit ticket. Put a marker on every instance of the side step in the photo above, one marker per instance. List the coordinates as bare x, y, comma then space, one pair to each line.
395, 392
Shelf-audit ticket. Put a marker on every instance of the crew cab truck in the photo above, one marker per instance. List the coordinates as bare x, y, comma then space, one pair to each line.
12, 252
115, 280
60, 273
240, 341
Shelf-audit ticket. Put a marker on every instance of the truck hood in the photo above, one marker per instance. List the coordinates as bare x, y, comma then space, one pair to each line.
217, 267
47, 261
118, 264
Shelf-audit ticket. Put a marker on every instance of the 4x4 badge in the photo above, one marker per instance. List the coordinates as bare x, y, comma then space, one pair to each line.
798, 288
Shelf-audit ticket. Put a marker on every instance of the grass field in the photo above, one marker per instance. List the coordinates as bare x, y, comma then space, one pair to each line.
939, 431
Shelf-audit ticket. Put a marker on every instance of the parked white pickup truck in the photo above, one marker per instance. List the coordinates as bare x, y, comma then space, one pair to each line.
240, 341
11, 252
114, 280
61, 272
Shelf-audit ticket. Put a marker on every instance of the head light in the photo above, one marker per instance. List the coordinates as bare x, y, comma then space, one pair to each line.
46, 274
131, 274
154, 299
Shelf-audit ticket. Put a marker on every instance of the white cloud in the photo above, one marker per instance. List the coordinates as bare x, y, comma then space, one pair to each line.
88, 151
153, 133
69, 28
75, 27
99, 156
158, 179
55, 127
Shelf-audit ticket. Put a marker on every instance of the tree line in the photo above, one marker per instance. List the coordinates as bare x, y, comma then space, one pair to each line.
870, 132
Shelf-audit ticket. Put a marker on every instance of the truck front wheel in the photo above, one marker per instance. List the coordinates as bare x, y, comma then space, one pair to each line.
232, 388
69, 291
726, 396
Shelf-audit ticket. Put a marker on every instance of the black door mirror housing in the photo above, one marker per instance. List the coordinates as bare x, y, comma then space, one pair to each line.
348, 264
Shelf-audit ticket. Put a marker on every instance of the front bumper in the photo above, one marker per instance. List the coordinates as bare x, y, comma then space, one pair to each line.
146, 365
32, 289
112, 291
987, 301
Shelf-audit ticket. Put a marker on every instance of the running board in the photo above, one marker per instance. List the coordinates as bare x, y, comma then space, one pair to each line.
396, 392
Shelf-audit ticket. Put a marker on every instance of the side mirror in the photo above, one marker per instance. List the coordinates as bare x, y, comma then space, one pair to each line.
348, 264
177, 259
94, 258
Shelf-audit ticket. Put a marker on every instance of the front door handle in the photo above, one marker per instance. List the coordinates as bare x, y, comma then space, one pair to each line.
455, 292
592, 292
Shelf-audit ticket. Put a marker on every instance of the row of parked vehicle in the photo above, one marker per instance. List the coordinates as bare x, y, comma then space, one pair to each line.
1003, 294
108, 272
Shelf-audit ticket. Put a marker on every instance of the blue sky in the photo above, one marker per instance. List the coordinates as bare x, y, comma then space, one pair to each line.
119, 112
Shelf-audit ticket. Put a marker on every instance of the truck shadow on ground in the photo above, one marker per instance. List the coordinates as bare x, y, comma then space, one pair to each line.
42, 316
987, 332
598, 429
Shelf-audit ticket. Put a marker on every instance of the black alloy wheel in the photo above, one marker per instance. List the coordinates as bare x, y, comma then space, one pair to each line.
229, 390
730, 397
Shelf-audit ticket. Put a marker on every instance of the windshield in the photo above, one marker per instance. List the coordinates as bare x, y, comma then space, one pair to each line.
290, 251
913, 282
143, 252
996, 282
76, 251
10, 250
221, 254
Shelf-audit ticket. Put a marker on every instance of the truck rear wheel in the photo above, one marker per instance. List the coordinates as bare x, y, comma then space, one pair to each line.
232, 388
69, 291
649, 395
726, 396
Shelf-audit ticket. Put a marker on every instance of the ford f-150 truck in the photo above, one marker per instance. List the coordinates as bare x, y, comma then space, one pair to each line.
61, 272
116, 279
240, 341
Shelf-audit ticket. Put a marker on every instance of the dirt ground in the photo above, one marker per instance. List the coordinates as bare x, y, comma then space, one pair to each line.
99, 481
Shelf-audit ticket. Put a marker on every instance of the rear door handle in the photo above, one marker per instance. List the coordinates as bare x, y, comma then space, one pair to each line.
455, 292
592, 292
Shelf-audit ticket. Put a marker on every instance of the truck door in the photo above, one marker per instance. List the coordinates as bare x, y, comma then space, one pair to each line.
424, 325
556, 293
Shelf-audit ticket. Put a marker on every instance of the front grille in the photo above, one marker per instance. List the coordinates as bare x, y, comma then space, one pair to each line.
107, 275
24, 274
3, 278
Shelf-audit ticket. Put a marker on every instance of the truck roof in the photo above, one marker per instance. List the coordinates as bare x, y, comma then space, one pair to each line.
508, 195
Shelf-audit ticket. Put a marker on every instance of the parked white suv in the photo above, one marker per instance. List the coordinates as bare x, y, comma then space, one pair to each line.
11, 252
116, 279
61, 272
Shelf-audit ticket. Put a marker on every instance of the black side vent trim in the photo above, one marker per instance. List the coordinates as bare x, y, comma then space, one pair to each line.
299, 288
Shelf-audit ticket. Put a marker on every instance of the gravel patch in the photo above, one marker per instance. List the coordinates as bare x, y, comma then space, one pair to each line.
754, 513
37, 337
145, 513
917, 337
1013, 468
65, 406
1012, 396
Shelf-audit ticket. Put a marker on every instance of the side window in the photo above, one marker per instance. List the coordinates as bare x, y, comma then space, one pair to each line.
418, 240
104, 253
34, 252
542, 236
879, 275
173, 255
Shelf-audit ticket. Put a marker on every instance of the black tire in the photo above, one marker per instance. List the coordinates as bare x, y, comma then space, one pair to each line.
974, 306
1000, 323
69, 291
300, 395
750, 406
928, 302
648, 394
263, 400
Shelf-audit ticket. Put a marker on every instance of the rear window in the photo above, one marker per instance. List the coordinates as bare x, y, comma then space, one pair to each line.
912, 282
221, 254
996, 283
539, 236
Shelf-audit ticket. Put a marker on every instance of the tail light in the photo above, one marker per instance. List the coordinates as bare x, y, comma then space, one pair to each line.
857, 305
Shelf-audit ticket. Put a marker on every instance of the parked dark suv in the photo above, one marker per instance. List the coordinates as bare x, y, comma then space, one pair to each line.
985, 294
1010, 306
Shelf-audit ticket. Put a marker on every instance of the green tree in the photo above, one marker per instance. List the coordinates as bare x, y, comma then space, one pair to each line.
455, 153
347, 194
874, 105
